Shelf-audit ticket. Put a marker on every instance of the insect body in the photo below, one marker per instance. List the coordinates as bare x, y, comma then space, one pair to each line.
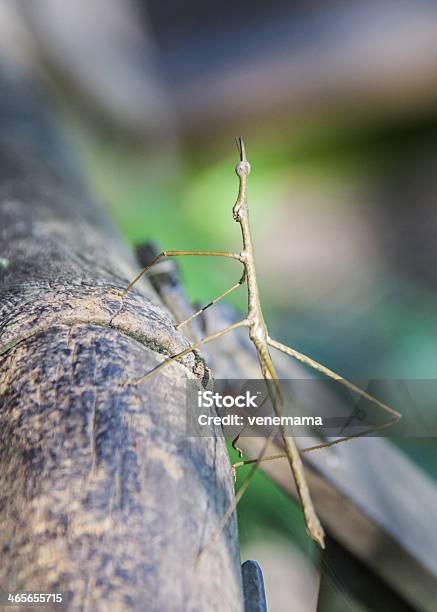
259, 335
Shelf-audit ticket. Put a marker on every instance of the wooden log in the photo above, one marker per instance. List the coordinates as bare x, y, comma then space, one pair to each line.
102, 494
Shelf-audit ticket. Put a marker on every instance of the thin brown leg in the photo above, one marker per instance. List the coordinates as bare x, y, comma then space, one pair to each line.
194, 346
309, 449
239, 494
240, 433
214, 301
179, 254
315, 365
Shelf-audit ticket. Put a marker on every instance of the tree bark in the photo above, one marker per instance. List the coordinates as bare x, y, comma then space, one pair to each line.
102, 494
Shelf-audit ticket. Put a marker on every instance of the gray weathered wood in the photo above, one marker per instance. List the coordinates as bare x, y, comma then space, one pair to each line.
101, 492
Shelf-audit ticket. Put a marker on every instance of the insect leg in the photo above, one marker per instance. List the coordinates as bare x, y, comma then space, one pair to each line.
214, 301
316, 447
179, 254
192, 347
240, 433
331, 374
239, 494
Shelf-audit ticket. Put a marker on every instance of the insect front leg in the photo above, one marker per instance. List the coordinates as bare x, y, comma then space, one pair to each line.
180, 254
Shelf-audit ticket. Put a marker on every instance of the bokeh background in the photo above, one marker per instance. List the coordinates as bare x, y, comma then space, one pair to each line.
337, 102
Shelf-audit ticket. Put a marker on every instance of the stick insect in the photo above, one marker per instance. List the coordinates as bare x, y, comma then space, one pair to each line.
259, 335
